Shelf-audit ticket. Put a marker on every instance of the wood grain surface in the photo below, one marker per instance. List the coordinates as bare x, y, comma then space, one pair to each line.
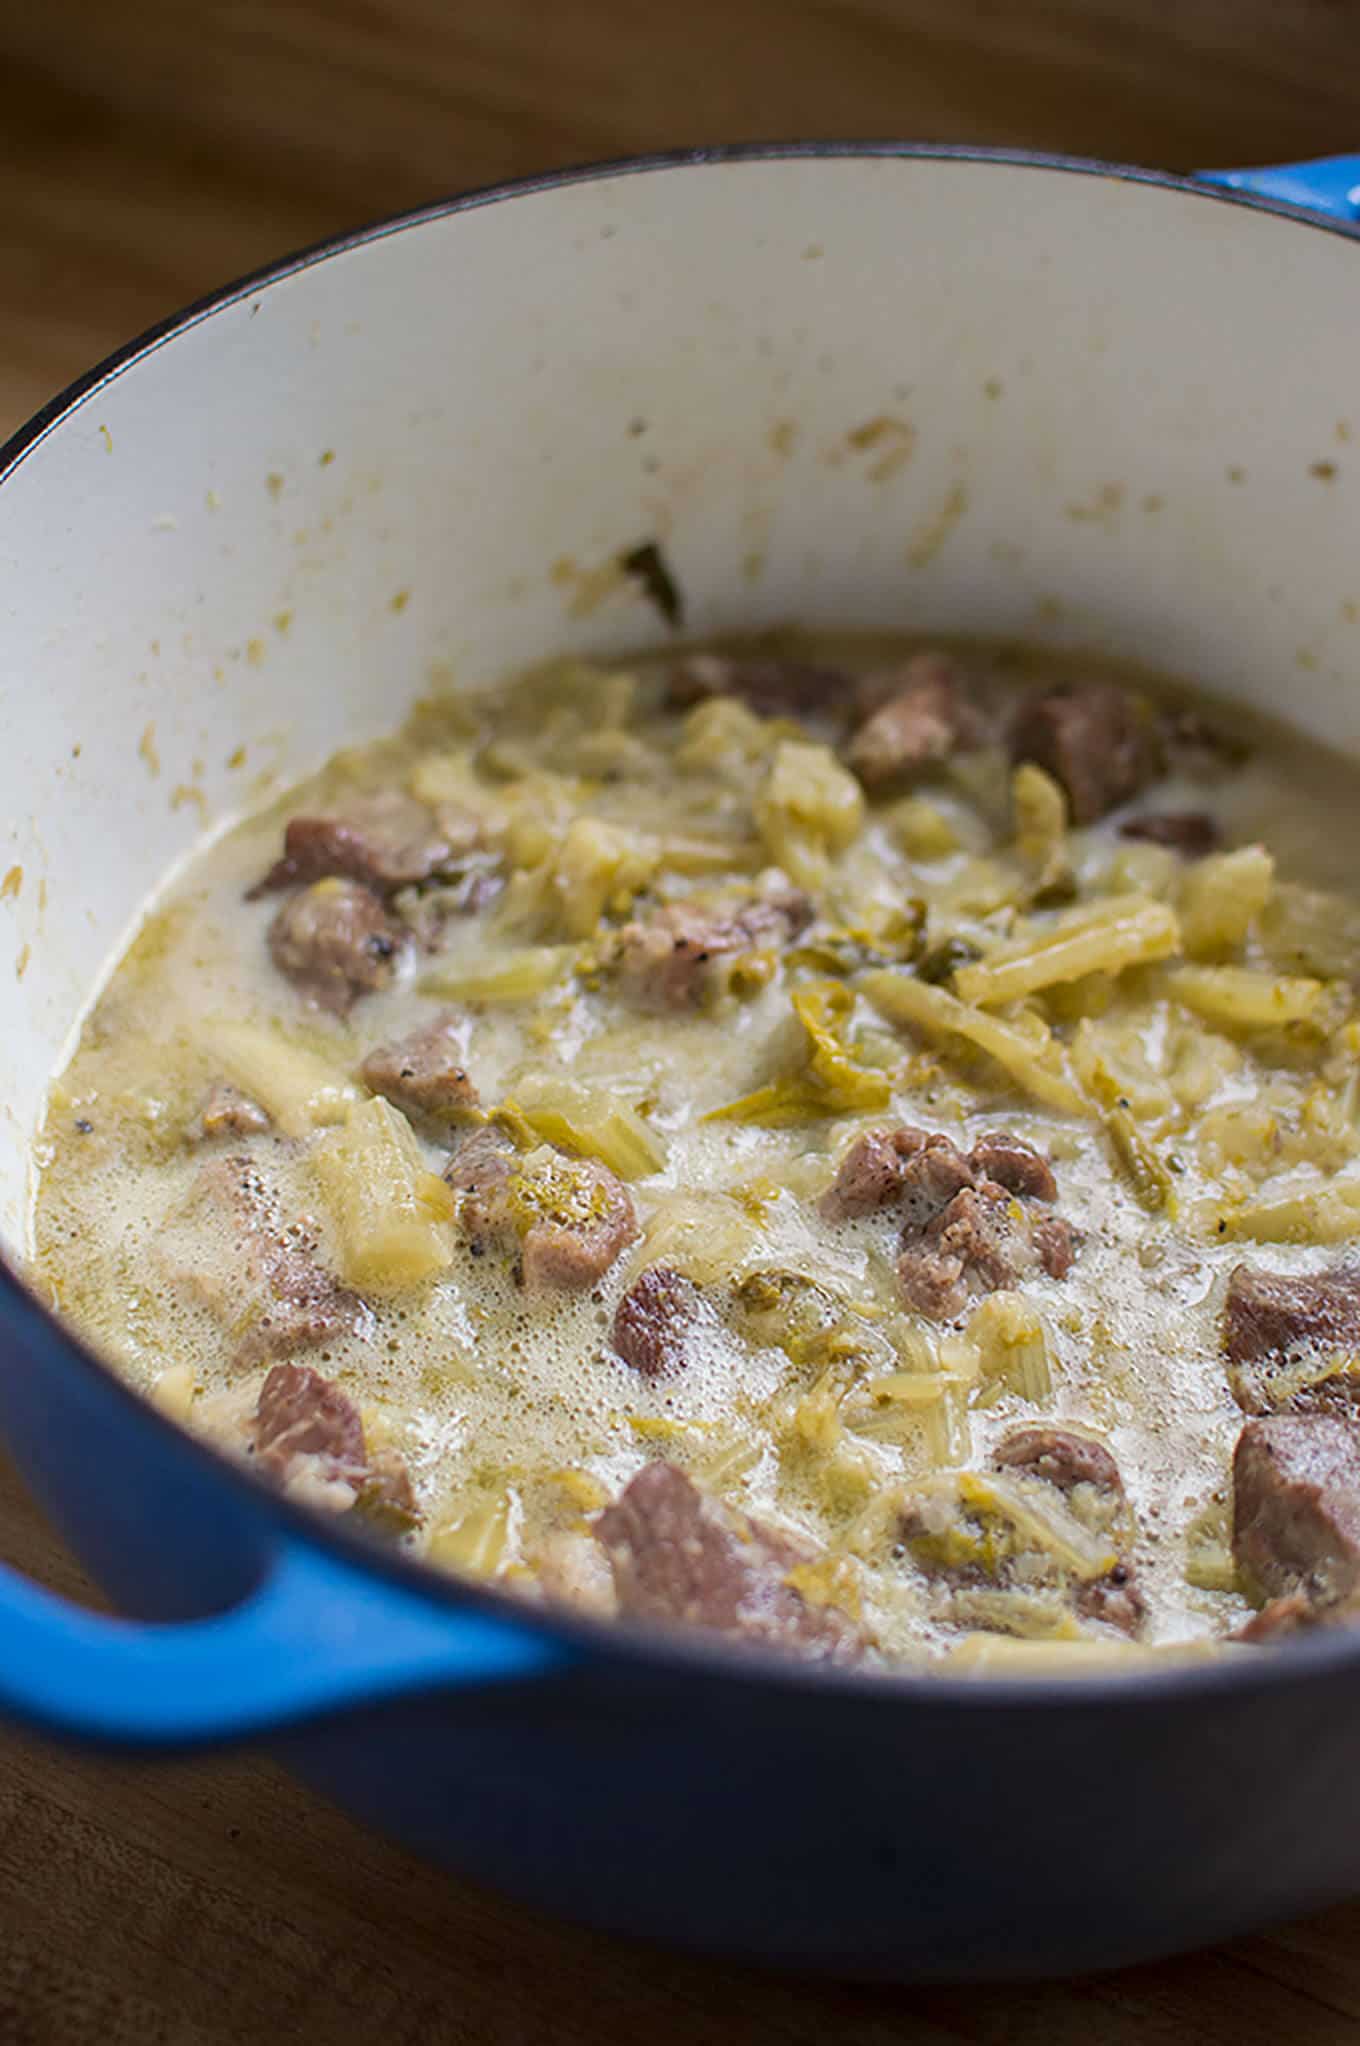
151, 149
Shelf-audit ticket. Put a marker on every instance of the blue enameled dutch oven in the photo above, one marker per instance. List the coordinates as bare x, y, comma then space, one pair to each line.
467, 411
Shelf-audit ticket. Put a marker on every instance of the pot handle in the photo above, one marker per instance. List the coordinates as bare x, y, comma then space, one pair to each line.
316, 1635
1326, 184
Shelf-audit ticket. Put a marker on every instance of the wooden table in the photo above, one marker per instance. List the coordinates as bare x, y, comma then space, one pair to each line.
150, 151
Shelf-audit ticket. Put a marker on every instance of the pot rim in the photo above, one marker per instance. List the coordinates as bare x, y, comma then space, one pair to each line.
599, 1643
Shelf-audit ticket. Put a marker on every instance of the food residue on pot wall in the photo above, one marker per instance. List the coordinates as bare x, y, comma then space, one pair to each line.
185, 792
895, 439
589, 587
930, 536
1100, 510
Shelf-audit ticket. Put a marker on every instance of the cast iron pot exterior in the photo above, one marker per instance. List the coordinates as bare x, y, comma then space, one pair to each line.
262, 525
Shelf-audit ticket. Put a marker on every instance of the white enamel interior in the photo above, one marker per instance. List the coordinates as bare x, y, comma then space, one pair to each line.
1118, 393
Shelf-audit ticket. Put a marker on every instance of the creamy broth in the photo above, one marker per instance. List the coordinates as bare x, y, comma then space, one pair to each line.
1170, 1027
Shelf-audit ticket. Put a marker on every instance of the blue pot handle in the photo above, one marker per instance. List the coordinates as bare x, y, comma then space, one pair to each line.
1328, 184
316, 1636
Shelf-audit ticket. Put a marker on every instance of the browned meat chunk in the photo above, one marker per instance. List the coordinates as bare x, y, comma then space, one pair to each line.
334, 941
663, 962
300, 1414
905, 1167
309, 1434
974, 1245
680, 1558
924, 719
270, 1291
669, 960
931, 1282
1296, 1508
774, 919
1014, 1164
936, 1177
297, 1303
983, 1240
1067, 1460
925, 1171
1056, 1244
654, 1322
483, 1160
228, 1112
768, 684
871, 1173
568, 1218
424, 1070
1116, 1599
967, 1226
387, 840
586, 1221
1278, 1619
1060, 1456
970, 1543
1094, 738
1287, 1340
1193, 833
881, 685
481, 1169
911, 732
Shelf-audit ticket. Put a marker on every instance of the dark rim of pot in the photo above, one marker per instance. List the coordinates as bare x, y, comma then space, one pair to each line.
599, 1643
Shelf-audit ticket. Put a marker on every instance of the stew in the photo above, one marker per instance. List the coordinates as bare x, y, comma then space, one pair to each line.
848, 1145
